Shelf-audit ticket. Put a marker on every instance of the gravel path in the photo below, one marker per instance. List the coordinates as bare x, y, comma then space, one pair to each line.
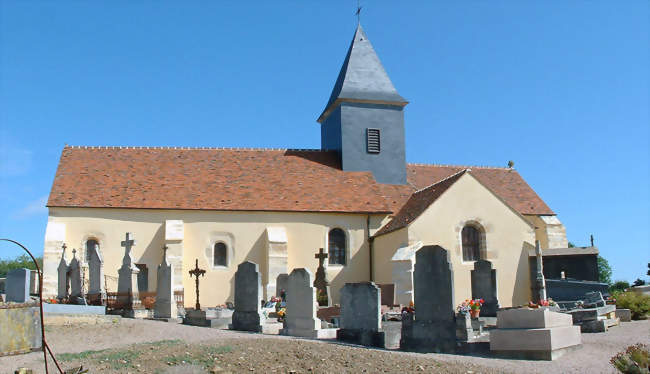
593, 357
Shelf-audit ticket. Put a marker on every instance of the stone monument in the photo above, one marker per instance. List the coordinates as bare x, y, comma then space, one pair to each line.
248, 293
165, 307
277, 259
534, 334
63, 283
432, 328
321, 283
540, 285
96, 273
17, 286
484, 286
301, 318
76, 289
361, 315
127, 285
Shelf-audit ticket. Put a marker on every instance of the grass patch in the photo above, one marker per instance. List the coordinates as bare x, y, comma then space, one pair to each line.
165, 343
77, 356
212, 350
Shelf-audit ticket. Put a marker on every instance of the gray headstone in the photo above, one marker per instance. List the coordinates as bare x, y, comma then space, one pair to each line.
281, 283
301, 305
539, 287
127, 285
433, 328
165, 306
63, 279
95, 272
593, 300
248, 294
361, 314
17, 286
484, 286
75, 277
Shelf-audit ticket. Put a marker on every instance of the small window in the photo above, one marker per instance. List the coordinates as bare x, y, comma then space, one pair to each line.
471, 238
90, 248
336, 247
373, 140
220, 254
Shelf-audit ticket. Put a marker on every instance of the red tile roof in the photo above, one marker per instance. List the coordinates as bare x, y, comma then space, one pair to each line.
417, 203
249, 180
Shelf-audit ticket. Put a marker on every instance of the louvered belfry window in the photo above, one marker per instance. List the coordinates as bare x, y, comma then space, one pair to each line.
373, 140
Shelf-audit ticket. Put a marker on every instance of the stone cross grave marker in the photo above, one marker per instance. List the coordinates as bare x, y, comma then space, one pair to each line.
281, 285
540, 284
17, 286
248, 293
361, 314
63, 283
484, 286
434, 327
321, 283
95, 272
301, 306
75, 276
127, 285
196, 272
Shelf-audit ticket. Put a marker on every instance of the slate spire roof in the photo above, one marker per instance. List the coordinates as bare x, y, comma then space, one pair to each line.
362, 78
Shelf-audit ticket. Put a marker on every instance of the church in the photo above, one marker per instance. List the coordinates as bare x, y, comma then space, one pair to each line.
356, 198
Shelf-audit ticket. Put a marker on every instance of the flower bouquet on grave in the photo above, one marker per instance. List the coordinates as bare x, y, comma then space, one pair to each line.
475, 307
464, 307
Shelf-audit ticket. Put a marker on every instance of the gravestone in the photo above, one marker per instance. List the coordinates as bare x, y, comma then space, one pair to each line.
76, 290
63, 282
432, 328
593, 300
321, 283
95, 272
387, 294
360, 321
539, 287
281, 285
248, 293
17, 286
165, 306
484, 286
127, 285
300, 317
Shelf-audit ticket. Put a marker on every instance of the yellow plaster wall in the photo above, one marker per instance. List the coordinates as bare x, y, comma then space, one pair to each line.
306, 232
508, 237
384, 248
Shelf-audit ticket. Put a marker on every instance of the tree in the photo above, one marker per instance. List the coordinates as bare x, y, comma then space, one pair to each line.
619, 286
22, 261
604, 271
571, 245
638, 282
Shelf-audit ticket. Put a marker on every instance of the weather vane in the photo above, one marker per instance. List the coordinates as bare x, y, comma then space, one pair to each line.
358, 12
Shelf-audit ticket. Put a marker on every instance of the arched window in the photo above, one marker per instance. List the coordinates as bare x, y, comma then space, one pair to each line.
336, 247
90, 247
220, 254
471, 238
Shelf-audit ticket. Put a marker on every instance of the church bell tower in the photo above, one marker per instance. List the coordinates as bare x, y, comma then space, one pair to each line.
364, 117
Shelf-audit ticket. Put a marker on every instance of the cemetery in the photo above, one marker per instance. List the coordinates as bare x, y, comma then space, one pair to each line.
433, 323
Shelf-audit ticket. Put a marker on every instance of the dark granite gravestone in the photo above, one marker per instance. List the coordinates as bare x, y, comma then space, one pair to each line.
281, 286
484, 286
248, 293
432, 328
17, 286
361, 315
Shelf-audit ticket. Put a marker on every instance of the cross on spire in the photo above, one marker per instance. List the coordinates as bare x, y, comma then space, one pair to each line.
321, 256
358, 12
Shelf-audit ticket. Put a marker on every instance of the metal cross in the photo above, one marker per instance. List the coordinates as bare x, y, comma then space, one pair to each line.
64, 247
196, 272
321, 257
358, 12
74, 252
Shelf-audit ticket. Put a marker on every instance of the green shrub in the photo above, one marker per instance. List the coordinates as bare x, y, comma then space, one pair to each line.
637, 303
634, 360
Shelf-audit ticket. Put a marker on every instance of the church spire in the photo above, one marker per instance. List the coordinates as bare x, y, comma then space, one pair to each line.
362, 78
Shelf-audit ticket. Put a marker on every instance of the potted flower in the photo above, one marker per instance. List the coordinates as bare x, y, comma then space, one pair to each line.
475, 307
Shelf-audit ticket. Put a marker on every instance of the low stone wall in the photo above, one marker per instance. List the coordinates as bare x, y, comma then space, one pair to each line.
20, 329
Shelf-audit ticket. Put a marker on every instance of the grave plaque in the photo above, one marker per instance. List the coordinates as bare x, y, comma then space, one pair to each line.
484, 286
433, 327
17, 286
165, 306
248, 293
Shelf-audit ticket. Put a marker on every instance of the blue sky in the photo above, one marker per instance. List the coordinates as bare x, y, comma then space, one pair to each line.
561, 88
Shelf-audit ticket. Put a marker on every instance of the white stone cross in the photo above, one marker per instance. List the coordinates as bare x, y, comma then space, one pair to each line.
127, 244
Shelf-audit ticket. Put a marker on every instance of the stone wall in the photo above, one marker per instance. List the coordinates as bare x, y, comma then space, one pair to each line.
20, 329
